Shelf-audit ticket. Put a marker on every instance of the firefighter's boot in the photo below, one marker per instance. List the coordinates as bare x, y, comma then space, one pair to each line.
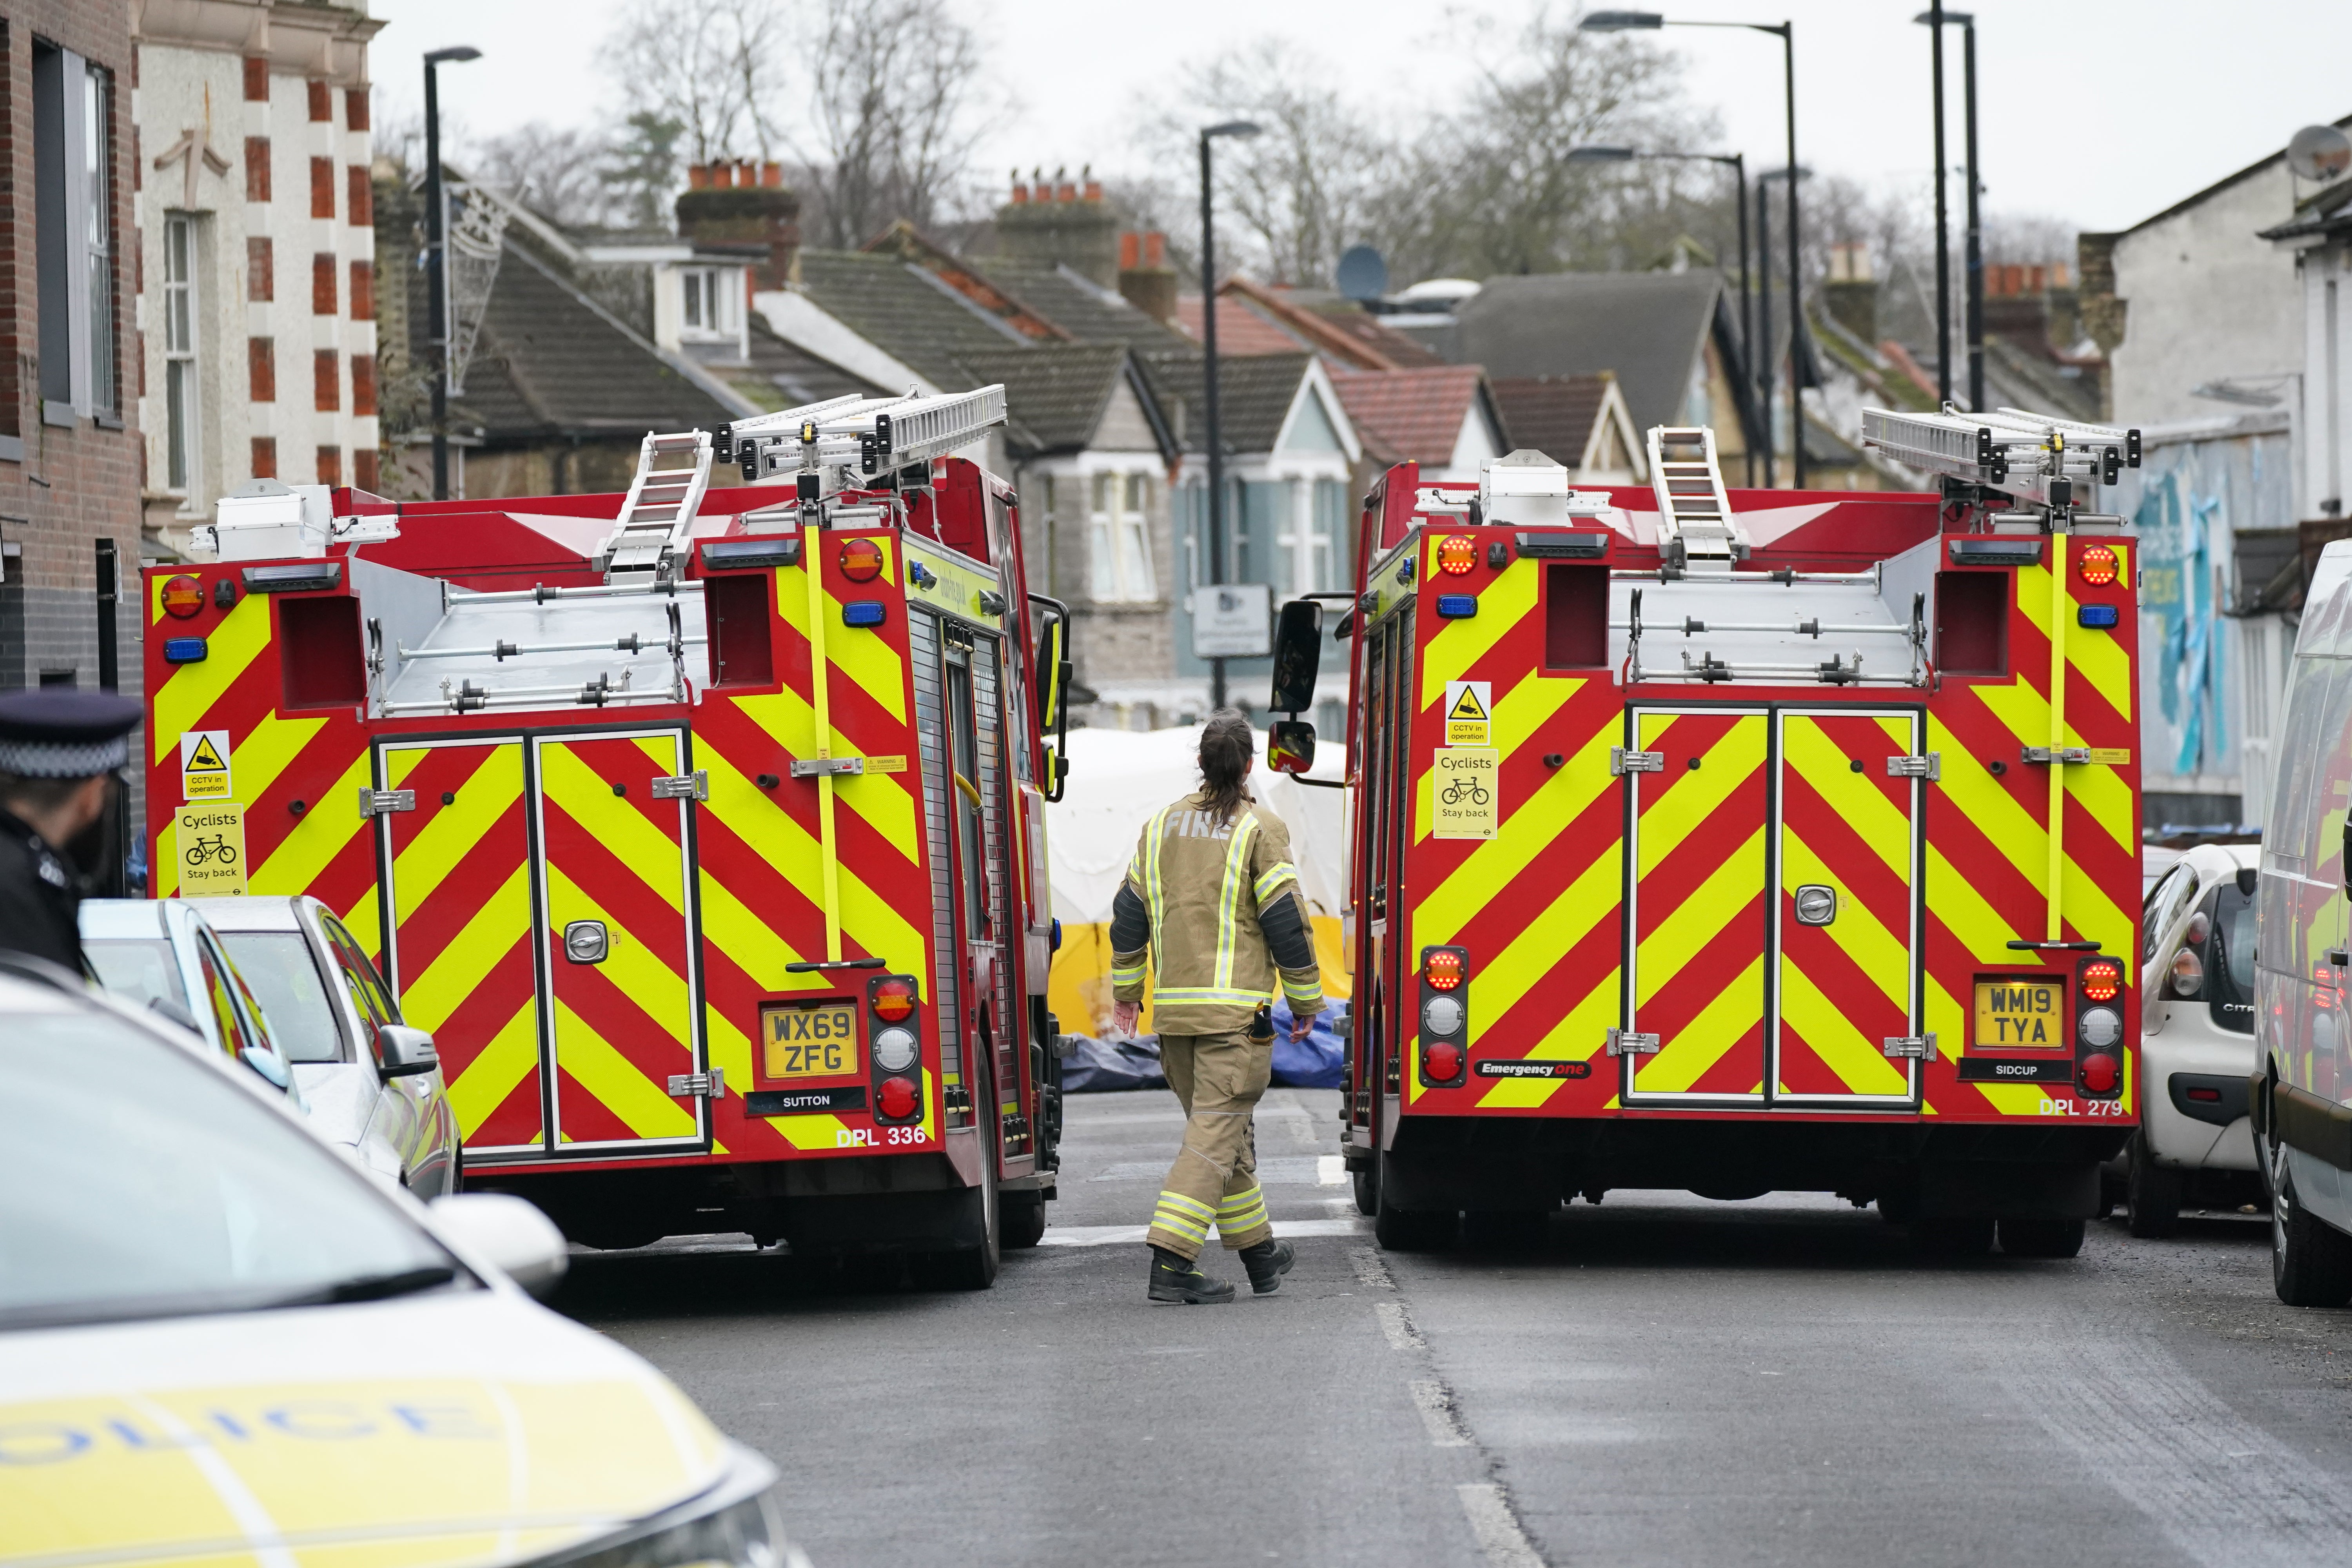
1267, 1262
1175, 1278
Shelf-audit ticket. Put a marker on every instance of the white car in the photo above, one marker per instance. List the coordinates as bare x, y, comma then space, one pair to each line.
2195, 1144
372, 1082
221, 1341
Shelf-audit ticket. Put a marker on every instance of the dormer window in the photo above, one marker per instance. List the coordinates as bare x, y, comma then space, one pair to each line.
712, 306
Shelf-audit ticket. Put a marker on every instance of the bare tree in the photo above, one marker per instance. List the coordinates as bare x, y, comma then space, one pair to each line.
560, 173
713, 66
894, 108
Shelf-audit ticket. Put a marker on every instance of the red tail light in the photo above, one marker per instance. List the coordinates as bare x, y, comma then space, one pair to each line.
1456, 553
861, 560
2102, 978
1443, 1062
1443, 970
894, 999
2099, 1074
897, 1100
2099, 565
182, 597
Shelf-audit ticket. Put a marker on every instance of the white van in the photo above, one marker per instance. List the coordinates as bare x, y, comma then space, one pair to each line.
2303, 1126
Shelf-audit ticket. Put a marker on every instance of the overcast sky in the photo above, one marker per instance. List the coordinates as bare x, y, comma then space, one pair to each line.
2098, 112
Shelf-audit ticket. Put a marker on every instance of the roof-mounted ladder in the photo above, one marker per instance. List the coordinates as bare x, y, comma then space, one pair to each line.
672, 473
2034, 457
1694, 521
844, 442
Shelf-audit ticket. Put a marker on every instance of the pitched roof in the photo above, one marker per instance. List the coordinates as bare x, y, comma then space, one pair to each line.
787, 374
1551, 413
1055, 394
550, 361
1413, 415
1254, 393
1239, 329
1649, 328
1074, 302
904, 310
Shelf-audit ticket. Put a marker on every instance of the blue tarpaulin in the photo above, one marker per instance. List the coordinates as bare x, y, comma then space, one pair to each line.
1095, 1065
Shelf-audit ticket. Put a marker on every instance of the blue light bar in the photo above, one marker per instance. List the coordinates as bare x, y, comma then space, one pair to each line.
2096, 615
862, 613
184, 650
1458, 606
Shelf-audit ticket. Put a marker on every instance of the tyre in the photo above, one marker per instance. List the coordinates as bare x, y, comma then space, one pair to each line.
1953, 1235
1367, 1183
2151, 1193
971, 1265
2038, 1236
2311, 1261
1024, 1219
1408, 1230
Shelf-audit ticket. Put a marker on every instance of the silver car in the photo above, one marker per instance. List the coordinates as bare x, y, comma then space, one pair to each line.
372, 1082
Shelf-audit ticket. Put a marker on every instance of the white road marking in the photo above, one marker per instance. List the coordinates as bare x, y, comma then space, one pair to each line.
1330, 1171
1437, 1413
1500, 1540
1371, 1268
1113, 1235
1396, 1323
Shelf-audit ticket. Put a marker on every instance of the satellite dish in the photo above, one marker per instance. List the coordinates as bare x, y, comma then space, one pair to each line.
1362, 276
2317, 152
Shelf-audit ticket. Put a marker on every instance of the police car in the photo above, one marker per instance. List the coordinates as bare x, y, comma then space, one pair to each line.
221, 1341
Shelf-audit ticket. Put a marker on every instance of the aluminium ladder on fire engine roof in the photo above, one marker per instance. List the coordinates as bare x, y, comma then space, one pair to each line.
1694, 512
658, 511
2034, 457
845, 439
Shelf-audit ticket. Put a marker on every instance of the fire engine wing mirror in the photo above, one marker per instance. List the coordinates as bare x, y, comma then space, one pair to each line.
1054, 673
1290, 746
2248, 880
1297, 658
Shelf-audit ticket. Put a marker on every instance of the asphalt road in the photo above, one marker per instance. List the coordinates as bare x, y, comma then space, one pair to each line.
1662, 1380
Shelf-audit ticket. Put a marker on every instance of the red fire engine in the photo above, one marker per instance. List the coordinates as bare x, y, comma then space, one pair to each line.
1741, 841
704, 828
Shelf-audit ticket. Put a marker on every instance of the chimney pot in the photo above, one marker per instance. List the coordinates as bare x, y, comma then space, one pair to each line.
1094, 189
1020, 195
1130, 252
697, 177
771, 175
1155, 252
1065, 191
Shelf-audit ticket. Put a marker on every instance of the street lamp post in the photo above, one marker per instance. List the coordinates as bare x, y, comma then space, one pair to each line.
1211, 436
1642, 21
435, 270
1737, 163
1935, 18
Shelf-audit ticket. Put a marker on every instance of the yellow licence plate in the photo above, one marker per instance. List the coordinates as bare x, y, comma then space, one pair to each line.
2027, 1015
808, 1042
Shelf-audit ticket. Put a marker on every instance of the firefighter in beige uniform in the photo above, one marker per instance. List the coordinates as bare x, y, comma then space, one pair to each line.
1211, 902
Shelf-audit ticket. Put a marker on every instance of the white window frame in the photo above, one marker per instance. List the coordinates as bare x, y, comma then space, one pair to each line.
716, 294
1119, 537
73, 202
183, 404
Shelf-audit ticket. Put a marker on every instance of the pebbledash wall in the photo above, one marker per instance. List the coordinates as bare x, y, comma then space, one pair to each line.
258, 251
69, 459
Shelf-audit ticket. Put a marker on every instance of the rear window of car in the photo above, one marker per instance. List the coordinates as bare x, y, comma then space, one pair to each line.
142, 968
285, 979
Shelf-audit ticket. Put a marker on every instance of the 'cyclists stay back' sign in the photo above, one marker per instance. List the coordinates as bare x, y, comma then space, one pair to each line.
210, 842
1464, 789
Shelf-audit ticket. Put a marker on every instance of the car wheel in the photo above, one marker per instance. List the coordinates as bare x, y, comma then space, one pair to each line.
1408, 1230
2311, 1261
1024, 1219
1953, 1235
2151, 1193
1366, 1179
2038, 1236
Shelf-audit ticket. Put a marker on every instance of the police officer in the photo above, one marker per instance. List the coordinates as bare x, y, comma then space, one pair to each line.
1212, 905
59, 750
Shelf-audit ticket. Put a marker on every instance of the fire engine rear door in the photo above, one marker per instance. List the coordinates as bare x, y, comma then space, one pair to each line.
1847, 912
458, 949
617, 936
1694, 906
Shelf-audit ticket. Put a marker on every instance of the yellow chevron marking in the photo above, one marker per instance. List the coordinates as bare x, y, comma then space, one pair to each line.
728, 925
884, 799
2105, 795
263, 752
2102, 793
2098, 658
635, 966
1540, 945
1858, 932
1860, 1064
1690, 925
1580, 1031
1954, 900
1721, 1025
435, 850
2015, 1099
164, 874
365, 921
864, 656
318, 837
788, 847
1529, 831
1519, 713
479, 1091
661, 750
1503, 605
587, 799
615, 1082
189, 692
1877, 821
428, 999
731, 1048
1672, 816
1970, 789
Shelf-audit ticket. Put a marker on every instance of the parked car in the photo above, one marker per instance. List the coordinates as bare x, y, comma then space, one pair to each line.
254, 1352
371, 1083
2195, 1145
164, 956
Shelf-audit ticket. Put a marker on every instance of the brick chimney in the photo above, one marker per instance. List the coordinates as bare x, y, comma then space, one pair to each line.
742, 206
1061, 220
1145, 276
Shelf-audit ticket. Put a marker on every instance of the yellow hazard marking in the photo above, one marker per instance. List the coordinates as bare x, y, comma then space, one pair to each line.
189, 692
1677, 938
867, 659
586, 796
1506, 602
436, 846
365, 921
886, 804
1519, 713
1877, 821
1582, 1031
1683, 1060
506, 1061
2106, 798
319, 835
1955, 901
1989, 808
203, 757
2096, 656
617, 1083
1467, 719
1544, 942
429, 999
1860, 1064
204, 765
1858, 932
